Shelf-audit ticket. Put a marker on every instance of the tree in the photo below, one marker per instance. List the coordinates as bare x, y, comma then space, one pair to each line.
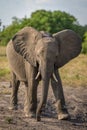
62, 20
41, 20
8, 32
49, 21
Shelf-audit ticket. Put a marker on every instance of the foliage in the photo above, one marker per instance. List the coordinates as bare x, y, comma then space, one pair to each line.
42, 20
84, 45
49, 21
8, 32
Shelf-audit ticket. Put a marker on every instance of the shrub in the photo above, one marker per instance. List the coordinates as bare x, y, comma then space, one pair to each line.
84, 44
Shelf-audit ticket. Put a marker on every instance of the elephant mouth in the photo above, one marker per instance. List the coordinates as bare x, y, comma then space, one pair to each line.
52, 76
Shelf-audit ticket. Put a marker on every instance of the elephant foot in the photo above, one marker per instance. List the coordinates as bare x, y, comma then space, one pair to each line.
62, 111
30, 115
13, 107
63, 116
38, 118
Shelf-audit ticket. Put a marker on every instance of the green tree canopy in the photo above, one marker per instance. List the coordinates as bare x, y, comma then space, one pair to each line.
49, 21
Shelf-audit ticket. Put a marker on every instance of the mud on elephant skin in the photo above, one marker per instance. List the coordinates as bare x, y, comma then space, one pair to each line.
35, 56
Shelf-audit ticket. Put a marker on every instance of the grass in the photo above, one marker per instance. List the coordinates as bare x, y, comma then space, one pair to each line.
73, 74
2, 51
5, 91
4, 68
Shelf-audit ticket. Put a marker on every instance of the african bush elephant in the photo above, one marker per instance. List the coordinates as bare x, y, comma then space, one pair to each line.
35, 56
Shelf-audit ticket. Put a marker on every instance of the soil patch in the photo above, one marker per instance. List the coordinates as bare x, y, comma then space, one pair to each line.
76, 100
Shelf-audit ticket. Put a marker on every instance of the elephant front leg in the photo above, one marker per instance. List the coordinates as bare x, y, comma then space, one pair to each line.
31, 93
14, 95
59, 95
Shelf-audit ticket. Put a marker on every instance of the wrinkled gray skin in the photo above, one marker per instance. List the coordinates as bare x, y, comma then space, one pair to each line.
35, 56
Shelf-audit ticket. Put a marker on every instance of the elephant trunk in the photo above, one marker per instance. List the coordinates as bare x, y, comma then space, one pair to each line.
46, 73
45, 76
45, 86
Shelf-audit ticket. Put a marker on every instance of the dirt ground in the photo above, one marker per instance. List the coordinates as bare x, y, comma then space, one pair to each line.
76, 100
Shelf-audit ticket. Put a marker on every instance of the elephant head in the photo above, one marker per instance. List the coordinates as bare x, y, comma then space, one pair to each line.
46, 52
67, 42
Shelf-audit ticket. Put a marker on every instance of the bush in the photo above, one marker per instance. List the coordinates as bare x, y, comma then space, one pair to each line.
84, 44
84, 47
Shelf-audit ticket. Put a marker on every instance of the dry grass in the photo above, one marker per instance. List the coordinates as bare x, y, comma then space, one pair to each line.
2, 51
4, 68
73, 74
5, 91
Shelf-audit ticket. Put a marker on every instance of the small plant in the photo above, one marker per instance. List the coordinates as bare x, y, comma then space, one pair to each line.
9, 120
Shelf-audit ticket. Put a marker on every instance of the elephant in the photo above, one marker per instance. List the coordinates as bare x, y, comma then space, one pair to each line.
36, 56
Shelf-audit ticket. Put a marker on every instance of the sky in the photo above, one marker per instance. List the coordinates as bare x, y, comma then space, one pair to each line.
22, 8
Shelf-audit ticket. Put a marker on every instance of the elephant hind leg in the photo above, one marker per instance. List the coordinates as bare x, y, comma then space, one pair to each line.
14, 94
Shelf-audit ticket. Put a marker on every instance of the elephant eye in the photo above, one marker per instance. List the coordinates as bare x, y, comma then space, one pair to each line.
56, 56
37, 55
42, 52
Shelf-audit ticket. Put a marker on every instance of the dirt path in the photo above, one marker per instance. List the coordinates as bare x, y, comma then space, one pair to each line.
76, 99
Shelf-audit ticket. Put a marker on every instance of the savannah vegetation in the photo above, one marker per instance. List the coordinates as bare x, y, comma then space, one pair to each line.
75, 72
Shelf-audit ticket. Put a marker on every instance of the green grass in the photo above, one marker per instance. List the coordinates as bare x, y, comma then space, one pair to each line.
4, 72
73, 74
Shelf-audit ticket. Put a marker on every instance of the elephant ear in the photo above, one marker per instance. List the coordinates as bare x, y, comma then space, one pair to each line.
69, 46
24, 43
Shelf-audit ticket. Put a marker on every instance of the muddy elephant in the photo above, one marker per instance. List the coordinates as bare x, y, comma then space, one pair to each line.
36, 56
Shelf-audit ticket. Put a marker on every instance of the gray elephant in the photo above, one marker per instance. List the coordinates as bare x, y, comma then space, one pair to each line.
35, 56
